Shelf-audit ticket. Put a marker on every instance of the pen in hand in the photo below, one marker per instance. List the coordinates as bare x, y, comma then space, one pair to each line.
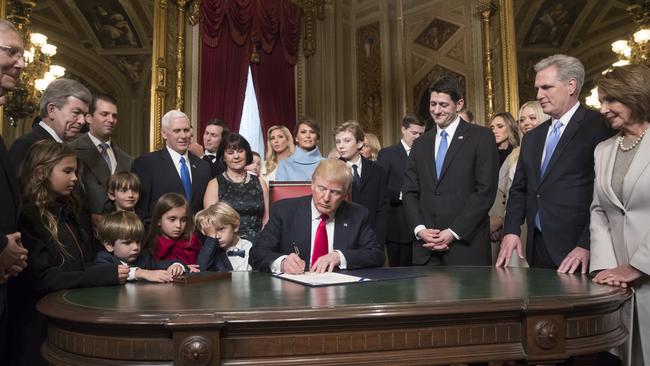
298, 263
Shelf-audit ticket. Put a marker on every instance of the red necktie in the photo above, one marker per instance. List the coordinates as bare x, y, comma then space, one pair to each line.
321, 245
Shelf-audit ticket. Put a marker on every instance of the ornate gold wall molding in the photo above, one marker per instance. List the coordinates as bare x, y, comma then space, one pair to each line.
368, 49
158, 73
486, 10
180, 54
195, 12
509, 57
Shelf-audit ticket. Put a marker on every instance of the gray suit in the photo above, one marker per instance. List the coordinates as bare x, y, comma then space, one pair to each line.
96, 173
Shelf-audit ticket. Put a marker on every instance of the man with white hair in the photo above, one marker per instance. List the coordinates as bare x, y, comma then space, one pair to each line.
171, 169
553, 184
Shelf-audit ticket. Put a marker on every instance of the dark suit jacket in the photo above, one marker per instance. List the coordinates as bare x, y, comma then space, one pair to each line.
9, 196
563, 195
144, 261
96, 173
158, 176
290, 225
21, 145
462, 197
212, 257
371, 194
394, 160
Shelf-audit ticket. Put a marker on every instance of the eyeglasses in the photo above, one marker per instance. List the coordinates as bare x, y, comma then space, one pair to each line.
14, 52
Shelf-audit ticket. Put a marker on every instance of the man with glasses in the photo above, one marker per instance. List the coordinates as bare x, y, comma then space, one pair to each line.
320, 232
13, 256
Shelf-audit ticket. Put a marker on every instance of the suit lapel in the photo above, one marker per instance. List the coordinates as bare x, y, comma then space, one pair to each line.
537, 148
637, 167
366, 171
122, 158
609, 153
454, 146
193, 165
569, 131
428, 146
341, 228
170, 167
302, 226
89, 153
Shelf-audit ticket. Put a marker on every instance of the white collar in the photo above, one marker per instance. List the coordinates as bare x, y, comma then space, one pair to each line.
51, 131
176, 157
97, 141
451, 129
566, 117
315, 214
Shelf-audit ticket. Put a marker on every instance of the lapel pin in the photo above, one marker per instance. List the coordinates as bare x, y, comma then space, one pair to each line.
193, 166
460, 137
345, 224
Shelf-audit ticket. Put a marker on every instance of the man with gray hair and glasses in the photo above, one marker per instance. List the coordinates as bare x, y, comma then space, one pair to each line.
553, 184
62, 108
13, 257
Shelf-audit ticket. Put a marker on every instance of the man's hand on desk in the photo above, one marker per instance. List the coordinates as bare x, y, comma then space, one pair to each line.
578, 257
326, 263
509, 243
292, 264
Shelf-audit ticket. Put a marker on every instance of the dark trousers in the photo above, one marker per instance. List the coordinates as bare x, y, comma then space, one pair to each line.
399, 254
541, 258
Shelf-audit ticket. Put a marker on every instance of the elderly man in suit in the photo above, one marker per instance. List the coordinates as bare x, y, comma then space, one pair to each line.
320, 232
172, 169
450, 184
101, 157
399, 237
12, 254
63, 108
554, 180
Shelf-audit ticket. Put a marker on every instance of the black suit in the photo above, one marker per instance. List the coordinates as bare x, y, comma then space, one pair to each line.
158, 175
144, 261
459, 200
290, 225
371, 194
96, 173
10, 204
563, 195
212, 257
399, 236
18, 150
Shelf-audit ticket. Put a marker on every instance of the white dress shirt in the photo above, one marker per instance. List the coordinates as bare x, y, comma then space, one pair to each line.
176, 158
51, 131
564, 120
358, 163
240, 264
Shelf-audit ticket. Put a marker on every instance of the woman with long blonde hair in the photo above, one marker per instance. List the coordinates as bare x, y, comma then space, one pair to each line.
61, 254
279, 146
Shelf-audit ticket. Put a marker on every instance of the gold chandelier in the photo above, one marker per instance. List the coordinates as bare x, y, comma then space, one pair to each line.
635, 50
39, 70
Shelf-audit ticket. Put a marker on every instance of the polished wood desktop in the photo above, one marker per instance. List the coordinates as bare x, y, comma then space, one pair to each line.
449, 315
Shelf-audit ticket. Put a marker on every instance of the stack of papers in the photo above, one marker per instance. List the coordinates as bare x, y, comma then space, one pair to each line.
321, 279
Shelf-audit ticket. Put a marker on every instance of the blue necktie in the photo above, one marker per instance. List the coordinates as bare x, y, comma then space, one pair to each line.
551, 143
442, 151
185, 178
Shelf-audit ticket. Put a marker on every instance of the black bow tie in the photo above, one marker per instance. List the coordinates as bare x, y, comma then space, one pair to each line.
210, 158
236, 253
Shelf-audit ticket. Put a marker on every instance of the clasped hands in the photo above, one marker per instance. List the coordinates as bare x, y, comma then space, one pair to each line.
436, 240
293, 264
13, 259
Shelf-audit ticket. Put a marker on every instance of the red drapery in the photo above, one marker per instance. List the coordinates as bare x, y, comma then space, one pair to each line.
231, 30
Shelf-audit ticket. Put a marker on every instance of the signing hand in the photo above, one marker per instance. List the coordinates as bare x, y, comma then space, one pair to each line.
621, 276
292, 264
509, 243
326, 263
577, 257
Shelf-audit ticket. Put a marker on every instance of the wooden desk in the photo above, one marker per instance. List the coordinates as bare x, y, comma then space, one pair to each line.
452, 315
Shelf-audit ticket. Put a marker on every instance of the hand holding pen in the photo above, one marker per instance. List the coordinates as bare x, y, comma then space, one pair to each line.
293, 263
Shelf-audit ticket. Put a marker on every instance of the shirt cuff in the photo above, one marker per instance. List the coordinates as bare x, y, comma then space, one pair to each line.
179, 264
132, 274
454, 234
276, 266
344, 262
418, 229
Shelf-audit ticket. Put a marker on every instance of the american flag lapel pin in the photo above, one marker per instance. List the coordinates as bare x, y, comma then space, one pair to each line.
460, 137
193, 166
345, 224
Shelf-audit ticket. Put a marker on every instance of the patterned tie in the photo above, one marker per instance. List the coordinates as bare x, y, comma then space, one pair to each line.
321, 245
551, 143
103, 151
442, 151
185, 178
355, 173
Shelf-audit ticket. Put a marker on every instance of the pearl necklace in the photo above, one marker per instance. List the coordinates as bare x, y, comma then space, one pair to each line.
634, 144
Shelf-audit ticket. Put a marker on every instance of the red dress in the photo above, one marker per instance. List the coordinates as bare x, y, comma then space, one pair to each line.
185, 250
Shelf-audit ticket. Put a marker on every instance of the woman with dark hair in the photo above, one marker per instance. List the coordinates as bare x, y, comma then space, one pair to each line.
300, 165
620, 210
247, 193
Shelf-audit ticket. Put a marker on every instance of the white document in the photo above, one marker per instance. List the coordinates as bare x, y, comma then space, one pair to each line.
321, 279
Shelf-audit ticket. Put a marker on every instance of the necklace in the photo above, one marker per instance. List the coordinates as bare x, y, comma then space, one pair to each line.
634, 144
240, 180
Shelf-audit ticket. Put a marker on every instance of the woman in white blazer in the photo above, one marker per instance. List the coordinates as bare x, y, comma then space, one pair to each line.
620, 212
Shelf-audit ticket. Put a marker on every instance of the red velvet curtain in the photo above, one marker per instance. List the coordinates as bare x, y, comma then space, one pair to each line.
231, 31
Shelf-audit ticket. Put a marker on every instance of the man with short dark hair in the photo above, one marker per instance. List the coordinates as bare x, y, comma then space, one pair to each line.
63, 108
399, 237
320, 232
554, 180
13, 257
100, 155
171, 169
215, 131
450, 184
